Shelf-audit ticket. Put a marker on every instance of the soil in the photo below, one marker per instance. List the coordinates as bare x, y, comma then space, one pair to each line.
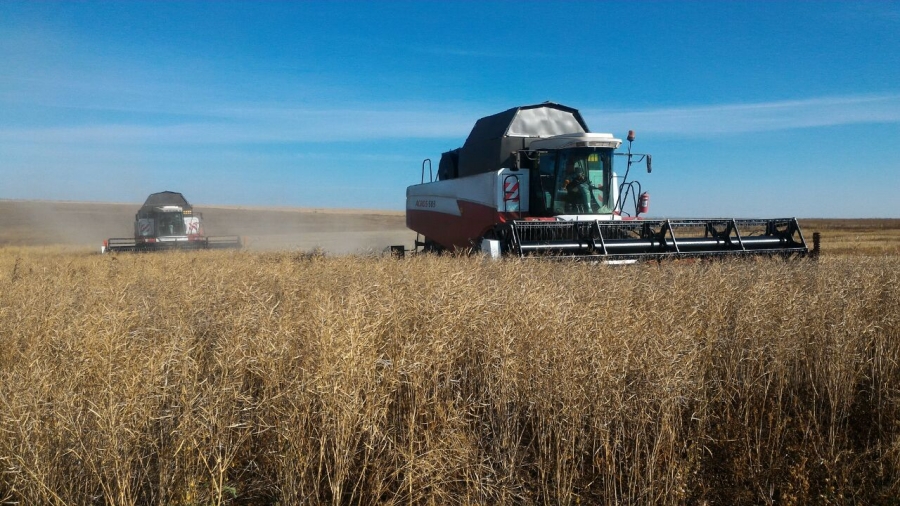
87, 224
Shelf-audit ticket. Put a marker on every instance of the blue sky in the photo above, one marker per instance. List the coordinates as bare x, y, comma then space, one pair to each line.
749, 109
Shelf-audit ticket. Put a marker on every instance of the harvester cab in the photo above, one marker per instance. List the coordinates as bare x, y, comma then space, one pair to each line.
168, 221
163, 221
571, 175
533, 180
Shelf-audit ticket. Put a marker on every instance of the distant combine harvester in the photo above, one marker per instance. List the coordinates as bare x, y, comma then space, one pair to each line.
167, 221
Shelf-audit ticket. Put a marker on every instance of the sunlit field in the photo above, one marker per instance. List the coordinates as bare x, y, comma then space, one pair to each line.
228, 377
856, 237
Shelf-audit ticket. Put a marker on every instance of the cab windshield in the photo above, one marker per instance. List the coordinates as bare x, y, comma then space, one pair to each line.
171, 223
576, 181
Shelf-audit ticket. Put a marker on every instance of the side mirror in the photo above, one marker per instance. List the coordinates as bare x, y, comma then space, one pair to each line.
649, 164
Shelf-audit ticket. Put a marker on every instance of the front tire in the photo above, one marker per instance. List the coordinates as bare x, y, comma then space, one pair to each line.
429, 246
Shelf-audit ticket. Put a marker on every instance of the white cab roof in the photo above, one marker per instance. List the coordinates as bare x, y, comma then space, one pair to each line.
577, 140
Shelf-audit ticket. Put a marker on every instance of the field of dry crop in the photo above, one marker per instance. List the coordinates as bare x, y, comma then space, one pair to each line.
284, 377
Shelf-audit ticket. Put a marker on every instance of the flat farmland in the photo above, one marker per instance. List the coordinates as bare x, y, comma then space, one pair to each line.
84, 225
274, 376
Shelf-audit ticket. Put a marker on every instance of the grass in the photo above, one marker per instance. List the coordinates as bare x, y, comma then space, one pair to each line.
286, 378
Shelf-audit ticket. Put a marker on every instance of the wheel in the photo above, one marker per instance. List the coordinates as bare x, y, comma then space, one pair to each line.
429, 246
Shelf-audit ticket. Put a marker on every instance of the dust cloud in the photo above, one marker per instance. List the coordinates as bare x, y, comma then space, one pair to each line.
335, 231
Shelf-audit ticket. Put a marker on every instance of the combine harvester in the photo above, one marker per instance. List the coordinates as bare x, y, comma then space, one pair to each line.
167, 221
534, 181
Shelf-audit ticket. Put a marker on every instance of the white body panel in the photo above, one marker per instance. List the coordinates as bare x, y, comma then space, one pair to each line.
588, 217
491, 248
505, 190
192, 225
146, 227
